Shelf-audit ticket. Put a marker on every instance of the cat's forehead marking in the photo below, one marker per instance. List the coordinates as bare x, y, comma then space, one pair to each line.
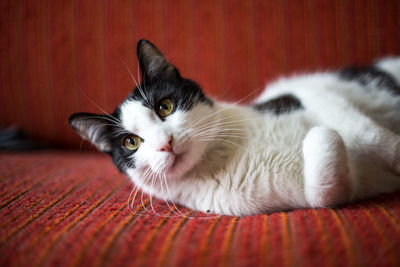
134, 113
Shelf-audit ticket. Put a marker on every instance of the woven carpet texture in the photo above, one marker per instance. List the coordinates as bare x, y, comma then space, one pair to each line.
64, 209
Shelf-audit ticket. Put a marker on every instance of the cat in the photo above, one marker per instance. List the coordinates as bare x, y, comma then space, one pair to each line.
308, 141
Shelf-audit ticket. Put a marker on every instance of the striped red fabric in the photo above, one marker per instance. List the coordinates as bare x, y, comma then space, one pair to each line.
61, 57
70, 209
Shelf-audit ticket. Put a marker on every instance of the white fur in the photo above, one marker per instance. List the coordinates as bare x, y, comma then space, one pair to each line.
327, 177
230, 159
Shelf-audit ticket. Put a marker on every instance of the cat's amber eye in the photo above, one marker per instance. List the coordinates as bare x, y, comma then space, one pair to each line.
165, 107
132, 142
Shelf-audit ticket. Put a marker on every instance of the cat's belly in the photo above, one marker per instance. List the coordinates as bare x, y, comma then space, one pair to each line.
264, 174
273, 168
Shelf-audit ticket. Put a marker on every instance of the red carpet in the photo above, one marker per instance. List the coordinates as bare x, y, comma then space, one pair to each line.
70, 208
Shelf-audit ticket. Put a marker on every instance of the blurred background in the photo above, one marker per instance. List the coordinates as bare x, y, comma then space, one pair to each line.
61, 57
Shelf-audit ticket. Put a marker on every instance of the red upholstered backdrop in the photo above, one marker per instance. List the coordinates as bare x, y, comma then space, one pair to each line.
60, 57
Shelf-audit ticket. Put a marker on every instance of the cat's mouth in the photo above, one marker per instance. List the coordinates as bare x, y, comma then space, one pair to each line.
173, 163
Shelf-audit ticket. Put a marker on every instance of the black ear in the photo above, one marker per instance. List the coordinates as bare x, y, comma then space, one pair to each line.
153, 63
92, 127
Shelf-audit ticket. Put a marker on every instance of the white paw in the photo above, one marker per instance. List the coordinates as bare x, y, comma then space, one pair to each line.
326, 173
323, 144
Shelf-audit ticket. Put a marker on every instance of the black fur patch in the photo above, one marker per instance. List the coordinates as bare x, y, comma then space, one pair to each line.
367, 75
280, 105
121, 157
184, 93
109, 135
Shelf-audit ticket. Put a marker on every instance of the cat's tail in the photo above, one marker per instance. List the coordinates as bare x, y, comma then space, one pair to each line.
390, 65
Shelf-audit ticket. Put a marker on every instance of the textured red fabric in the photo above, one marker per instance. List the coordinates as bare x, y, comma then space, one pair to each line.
61, 57
70, 208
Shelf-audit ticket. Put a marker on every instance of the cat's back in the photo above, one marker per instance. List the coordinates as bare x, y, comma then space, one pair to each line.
372, 90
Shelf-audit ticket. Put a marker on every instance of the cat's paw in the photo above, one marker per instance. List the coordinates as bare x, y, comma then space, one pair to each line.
326, 172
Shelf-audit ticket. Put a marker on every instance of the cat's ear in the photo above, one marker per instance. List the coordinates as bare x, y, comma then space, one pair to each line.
153, 63
92, 127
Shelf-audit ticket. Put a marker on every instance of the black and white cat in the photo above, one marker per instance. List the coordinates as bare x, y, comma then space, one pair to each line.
315, 140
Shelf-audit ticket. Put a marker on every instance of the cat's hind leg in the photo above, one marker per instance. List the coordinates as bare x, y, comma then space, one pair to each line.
327, 176
357, 129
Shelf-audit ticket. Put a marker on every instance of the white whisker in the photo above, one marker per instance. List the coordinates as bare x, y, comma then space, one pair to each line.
141, 91
170, 196
224, 140
227, 107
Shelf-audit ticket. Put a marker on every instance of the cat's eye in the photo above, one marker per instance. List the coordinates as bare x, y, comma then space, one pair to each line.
165, 107
132, 142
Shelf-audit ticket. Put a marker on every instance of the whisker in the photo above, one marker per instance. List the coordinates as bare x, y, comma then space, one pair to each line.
224, 140
224, 123
91, 101
148, 177
228, 106
219, 130
137, 189
144, 81
141, 201
170, 196
213, 137
151, 202
137, 84
109, 118
173, 209
165, 199
141, 80
216, 132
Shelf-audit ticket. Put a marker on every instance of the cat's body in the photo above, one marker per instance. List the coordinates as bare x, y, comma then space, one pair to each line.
315, 140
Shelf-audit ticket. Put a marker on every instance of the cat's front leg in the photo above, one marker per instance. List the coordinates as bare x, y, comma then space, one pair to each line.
327, 176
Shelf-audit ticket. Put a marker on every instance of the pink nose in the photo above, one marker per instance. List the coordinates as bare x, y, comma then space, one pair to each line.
167, 147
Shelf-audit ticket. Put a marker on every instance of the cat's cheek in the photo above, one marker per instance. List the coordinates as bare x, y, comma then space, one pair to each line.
162, 162
141, 163
188, 160
133, 174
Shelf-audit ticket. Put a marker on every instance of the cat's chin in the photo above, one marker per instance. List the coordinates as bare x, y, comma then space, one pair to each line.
175, 166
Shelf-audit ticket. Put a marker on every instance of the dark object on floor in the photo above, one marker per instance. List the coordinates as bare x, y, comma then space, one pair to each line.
12, 139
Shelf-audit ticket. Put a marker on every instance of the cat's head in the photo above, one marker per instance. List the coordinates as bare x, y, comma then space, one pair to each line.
156, 128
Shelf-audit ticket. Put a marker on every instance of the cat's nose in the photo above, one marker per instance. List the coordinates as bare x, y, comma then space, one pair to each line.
167, 146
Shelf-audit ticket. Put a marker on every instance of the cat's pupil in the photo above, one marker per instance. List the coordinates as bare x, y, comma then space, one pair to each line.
164, 106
